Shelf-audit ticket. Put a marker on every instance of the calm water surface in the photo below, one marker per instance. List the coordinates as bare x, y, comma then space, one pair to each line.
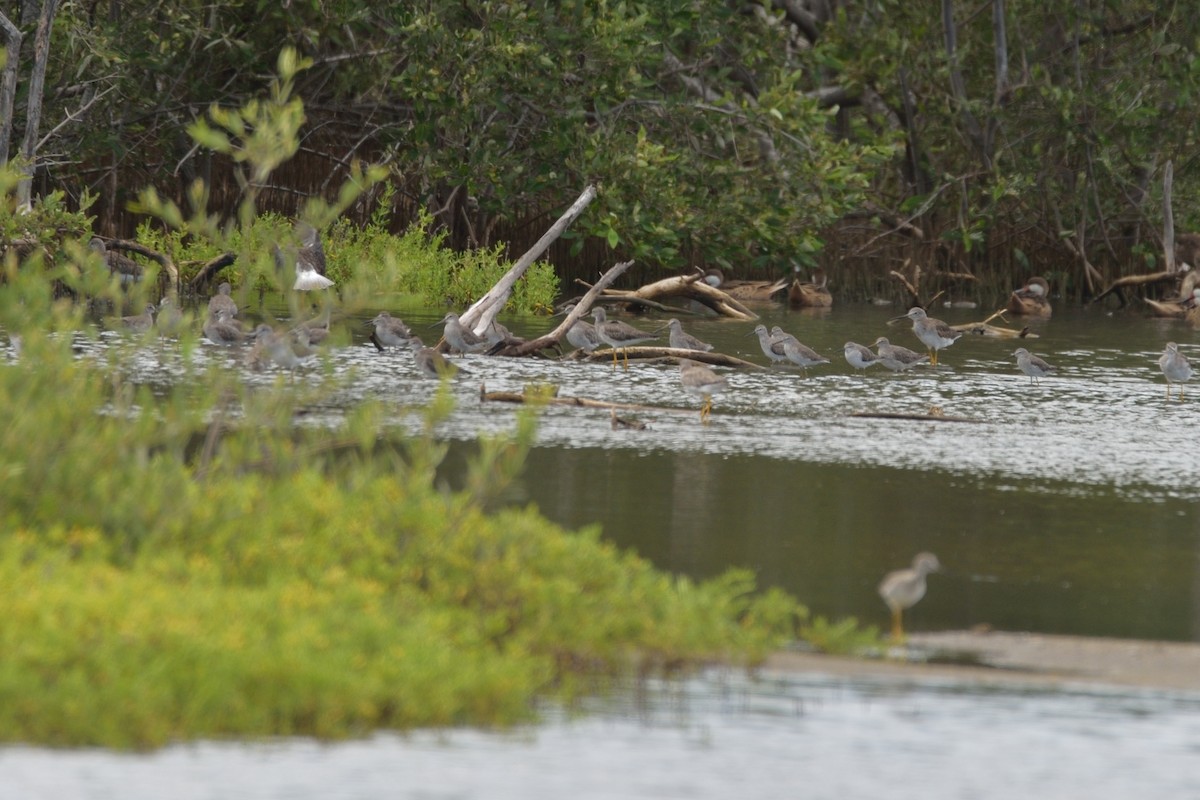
1069, 507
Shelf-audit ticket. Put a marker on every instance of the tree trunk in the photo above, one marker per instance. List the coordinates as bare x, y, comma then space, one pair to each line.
1168, 218
37, 83
8, 83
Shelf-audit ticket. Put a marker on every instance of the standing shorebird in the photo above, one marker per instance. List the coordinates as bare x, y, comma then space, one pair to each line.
858, 356
272, 347
904, 587
618, 335
1031, 365
430, 362
460, 337
682, 340
582, 334
933, 333
1175, 367
119, 264
221, 328
140, 323
389, 331
701, 381
223, 301
771, 348
795, 352
308, 259
897, 358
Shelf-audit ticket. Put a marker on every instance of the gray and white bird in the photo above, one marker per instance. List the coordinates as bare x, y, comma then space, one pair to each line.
771, 348
699, 380
1175, 368
858, 356
682, 340
582, 334
933, 333
903, 588
140, 323
430, 362
389, 331
222, 328
223, 300
273, 348
618, 335
308, 258
119, 264
799, 354
897, 358
460, 337
1031, 365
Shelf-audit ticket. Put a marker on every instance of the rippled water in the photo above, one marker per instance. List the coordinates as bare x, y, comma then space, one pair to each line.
720, 736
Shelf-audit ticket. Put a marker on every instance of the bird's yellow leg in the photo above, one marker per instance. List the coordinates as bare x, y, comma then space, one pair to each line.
897, 626
933, 357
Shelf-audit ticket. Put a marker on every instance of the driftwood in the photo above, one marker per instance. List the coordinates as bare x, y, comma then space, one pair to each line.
538, 398
933, 416
555, 336
159, 258
480, 316
690, 287
988, 330
210, 269
644, 353
1117, 287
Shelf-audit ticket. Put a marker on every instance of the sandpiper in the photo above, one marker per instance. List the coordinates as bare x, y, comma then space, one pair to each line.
140, 323
771, 348
904, 587
800, 354
170, 318
682, 340
460, 337
430, 362
897, 358
270, 346
1175, 367
222, 328
701, 381
618, 335
389, 331
119, 264
859, 356
582, 334
933, 333
317, 328
1031, 365
223, 300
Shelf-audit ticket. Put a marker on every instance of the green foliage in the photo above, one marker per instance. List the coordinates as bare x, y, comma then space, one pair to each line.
184, 561
843, 637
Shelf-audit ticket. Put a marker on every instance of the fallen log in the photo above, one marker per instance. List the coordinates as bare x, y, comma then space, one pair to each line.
688, 287
542, 398
934, 415
649, 353
990, 331
1117, 286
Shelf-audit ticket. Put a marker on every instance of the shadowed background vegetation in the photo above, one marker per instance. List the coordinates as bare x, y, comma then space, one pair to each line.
998, 140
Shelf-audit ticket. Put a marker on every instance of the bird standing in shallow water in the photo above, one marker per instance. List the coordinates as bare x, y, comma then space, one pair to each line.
618, 335
389, 331
903, 588
933, 333
460, 337
431, 363
221, 328
308, 259
859, 356
1175, 367
140, 323
223, 301
799, 354
1031, 365
701, 381
897, 358
682, 340
771, 348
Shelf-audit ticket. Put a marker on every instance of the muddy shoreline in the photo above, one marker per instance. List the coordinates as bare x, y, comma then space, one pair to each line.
997, 658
